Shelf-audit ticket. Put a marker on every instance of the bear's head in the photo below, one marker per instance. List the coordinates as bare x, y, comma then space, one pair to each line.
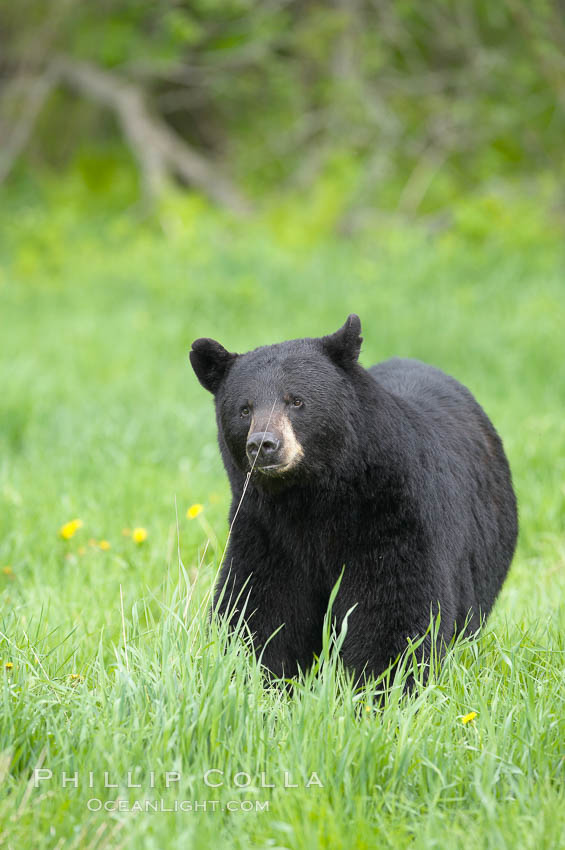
287, 408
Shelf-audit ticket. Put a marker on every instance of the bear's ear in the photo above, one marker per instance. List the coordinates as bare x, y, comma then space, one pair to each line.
210, 361
344, 345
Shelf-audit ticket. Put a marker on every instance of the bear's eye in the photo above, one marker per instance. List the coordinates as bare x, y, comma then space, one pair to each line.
245, 410
297, 402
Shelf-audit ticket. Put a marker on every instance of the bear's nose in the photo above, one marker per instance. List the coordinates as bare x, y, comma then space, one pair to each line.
262, 445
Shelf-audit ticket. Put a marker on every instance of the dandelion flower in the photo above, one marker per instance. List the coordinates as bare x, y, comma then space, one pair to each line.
138, 535
69, 529
8, 665
468, 717
105, 545
194, 511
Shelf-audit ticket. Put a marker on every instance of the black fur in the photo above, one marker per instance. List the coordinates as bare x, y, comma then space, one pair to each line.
403, 480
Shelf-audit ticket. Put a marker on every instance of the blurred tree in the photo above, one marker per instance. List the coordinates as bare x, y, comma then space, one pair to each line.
422, 100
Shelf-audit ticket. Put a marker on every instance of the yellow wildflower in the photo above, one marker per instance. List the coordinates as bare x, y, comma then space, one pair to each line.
8, 665
138, 535
105, 545
70, 528
194, 511
468, 717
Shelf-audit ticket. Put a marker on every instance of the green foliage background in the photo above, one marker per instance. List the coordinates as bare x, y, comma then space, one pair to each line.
401, 107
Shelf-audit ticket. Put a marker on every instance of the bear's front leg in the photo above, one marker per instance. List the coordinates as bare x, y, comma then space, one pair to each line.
282, 616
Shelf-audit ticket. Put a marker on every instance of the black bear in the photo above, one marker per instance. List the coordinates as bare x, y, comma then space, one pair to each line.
393, 475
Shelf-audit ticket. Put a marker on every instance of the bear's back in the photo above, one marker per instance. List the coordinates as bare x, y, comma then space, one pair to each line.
438, 398
416, 381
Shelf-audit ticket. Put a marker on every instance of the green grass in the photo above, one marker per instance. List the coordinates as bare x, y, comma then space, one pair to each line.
103, 420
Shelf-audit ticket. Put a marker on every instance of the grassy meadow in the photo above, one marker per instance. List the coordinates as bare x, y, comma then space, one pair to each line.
108, 665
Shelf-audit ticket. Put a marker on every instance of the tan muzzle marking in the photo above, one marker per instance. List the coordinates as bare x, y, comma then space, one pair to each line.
281, 427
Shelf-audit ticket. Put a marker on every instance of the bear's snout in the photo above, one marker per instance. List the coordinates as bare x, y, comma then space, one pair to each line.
263, 448
272, 447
